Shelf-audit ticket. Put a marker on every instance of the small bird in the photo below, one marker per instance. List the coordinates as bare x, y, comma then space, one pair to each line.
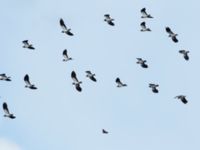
65, 55
7, 113
27, 45
104, 131
109, 20
171, 34
76, 82
185, 54
119, 83
28, 83
182, 98
65, 29
144, 13
4, 77
91, 76
142, 63
154, 87
144, 28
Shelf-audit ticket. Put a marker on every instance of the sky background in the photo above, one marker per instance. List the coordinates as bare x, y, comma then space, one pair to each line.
56, 116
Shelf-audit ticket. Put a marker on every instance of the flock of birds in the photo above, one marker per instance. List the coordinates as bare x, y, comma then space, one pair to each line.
110, 21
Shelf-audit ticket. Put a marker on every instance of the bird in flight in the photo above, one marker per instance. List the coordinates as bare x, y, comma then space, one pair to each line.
142, 63
91, 76
185, 54
154, 87
4, 77
144, 28
172, 34
109, 20
28, 83
7, 113
104, 131
76, 82
182, 98
65, 29
65, 55
27, 45
119, 83
145, 14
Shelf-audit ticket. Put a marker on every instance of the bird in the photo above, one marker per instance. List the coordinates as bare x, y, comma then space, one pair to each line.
185, 54
154, 87
28, 83
104, 131
7, 113
27, 45
76, 82
65, 29
142, 63
65, 55
119, 83
91, 76
144, 28
4, 77
171, 34
182, 98
144, 13
109, 20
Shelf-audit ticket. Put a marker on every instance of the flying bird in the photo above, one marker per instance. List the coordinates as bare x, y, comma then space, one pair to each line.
171, 34
91, 76
27, 45
154, 87
145, 14
119, 83
144, 28
7, 113
65, 55
4, 77
182, 98
109, 20
142, 63
104, 131
65, 29
76, 82
185, 54
28, 83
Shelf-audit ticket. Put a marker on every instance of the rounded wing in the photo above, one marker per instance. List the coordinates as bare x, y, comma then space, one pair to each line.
5, 108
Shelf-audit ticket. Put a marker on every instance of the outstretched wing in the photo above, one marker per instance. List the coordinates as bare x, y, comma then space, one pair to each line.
88, 72
5, 108
78, 87
143, 25
73, 76
107, 16
26, 80
65, 53
143, 11
62, 24
174, 39
118, 81
168, 30
104, 131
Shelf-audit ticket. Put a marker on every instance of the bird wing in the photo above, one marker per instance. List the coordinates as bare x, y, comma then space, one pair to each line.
118, 81
107, 16
78, 87
25, 42
88, 72
93, 78
168, 30
143, 11
73, 76
65, 53
143, 25
182, 51
3, 75
5, 108
174, 39
62, 24
26, 80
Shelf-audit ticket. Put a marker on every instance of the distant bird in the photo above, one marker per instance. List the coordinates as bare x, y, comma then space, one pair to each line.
91, 76
65, 29
185, 54
65, 55
171, 34
27, 45
144, 13
109, 20
142, 63
119, 83
104, 131
28, 83
7, 113
4, 77
144, 28
154, 87
76, 82
182, 98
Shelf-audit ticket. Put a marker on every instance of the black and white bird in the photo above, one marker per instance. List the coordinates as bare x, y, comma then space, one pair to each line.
154, 87
65, 29
119, 83
90, 75
27, 45
104, 131
145, 14
76, 82
4, 77
185, 54
182, 98
109, 20
65, 55
172, 34
28, 83
144, 28
142, 63
6, 111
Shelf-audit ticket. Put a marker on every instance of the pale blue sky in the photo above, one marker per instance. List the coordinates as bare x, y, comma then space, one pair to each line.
56, 116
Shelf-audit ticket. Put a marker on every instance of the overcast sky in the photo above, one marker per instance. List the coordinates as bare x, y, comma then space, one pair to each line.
56, 116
